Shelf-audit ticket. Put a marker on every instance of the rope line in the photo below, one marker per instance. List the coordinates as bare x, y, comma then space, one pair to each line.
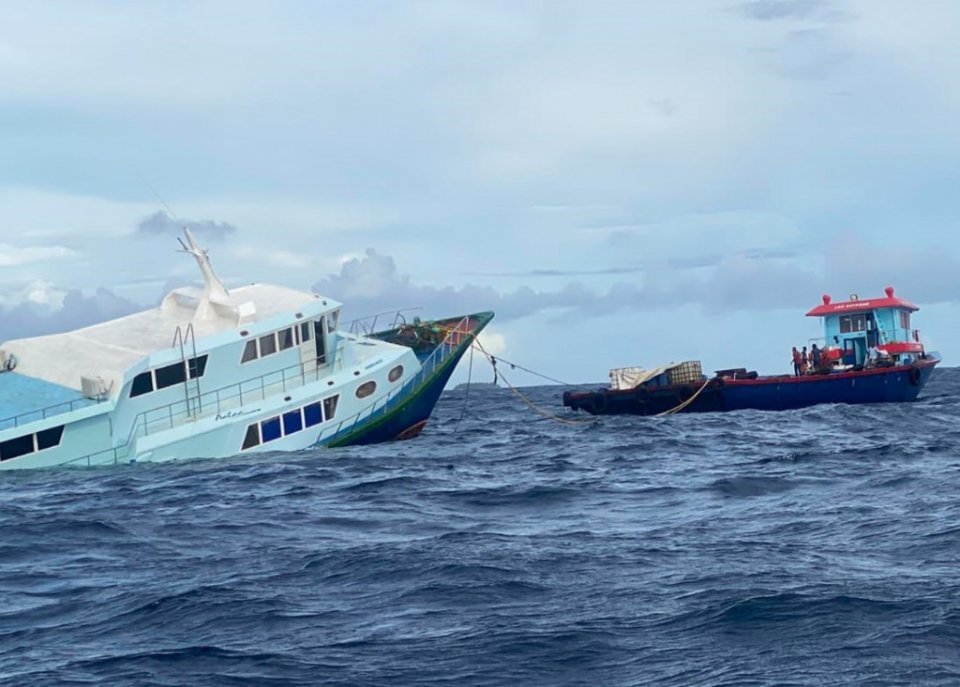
466, 397
533, 406
683, 405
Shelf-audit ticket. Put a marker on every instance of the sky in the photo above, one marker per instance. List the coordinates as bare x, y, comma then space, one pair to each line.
623, 182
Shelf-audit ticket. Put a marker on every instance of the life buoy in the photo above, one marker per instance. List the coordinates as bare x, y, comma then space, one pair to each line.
598, 402
915, 375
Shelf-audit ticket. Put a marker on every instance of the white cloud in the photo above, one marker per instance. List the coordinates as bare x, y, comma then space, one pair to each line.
11, 256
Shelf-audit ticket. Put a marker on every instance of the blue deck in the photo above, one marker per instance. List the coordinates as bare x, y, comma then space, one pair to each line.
26, 399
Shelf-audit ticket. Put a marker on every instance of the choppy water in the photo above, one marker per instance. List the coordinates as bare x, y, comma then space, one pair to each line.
811, 547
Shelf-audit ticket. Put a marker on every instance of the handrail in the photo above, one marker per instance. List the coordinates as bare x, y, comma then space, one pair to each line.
46, 412
358, 327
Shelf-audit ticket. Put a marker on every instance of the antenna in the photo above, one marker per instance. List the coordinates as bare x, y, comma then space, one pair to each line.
214, 290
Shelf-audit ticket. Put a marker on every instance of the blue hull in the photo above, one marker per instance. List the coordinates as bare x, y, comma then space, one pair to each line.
406, 417
881, 385
897, 385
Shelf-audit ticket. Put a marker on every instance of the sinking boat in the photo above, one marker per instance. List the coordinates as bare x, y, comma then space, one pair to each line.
869, 353
212, 373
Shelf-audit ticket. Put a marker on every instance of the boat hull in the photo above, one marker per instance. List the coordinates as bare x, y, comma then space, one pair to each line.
880, 385
409, 418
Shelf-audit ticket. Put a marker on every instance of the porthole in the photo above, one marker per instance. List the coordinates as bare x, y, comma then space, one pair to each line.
366, 389
396, 373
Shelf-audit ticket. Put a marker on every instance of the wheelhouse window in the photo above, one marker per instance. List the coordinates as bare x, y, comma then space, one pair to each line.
904, 319
170, 375
285, 339
268, 345
852, 323
142, 384
249, 351
197, 366
332, 320
306, 332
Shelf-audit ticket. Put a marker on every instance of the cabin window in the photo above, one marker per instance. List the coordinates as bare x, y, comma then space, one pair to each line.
249, 351
313, 414
268, 345
252, 438
330, 407
366, 389
170, 375
305, 329
904, 319
142, 384
49, 438
395, 374
197, 366
270, 429
332, 321
292, 422
852, 323
14, 448
285, 339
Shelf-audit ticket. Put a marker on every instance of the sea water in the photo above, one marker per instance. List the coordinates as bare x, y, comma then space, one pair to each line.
815, 547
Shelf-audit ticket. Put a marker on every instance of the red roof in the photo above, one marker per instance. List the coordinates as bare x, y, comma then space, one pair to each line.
855, 306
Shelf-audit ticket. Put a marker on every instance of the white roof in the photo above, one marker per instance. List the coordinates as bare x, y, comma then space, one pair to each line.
108, 349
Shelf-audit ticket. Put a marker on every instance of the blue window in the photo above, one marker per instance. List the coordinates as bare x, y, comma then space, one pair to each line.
270, 429
313, 414
292, 422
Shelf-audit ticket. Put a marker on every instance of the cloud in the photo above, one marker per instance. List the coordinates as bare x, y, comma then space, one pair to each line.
770, 10
749, 280
31, 318
160, 223
11, 256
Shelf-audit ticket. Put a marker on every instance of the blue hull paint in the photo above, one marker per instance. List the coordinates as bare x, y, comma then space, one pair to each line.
409, 420
893, 385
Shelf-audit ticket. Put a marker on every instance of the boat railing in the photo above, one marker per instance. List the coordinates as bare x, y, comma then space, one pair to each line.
387, 402
364, 326
44, 413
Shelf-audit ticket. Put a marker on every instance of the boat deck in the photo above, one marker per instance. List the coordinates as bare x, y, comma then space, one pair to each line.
27, 399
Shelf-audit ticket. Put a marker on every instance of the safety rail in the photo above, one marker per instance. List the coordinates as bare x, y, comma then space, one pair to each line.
163, 417
364, 326
44, 413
